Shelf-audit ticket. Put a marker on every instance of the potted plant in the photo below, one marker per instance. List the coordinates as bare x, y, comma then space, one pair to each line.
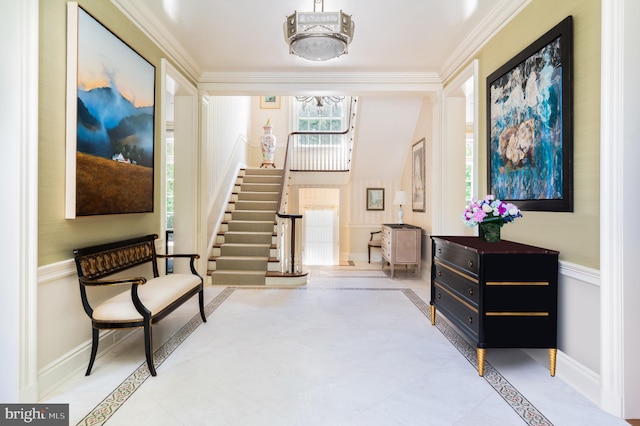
489, 214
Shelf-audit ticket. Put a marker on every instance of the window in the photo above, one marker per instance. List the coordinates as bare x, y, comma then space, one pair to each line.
470, 142
169, 182
318, 116
469, 147
321, 152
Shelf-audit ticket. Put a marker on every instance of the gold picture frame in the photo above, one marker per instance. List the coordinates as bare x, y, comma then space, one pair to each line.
269, 102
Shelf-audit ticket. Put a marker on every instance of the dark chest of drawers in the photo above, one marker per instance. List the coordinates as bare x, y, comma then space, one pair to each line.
500, 295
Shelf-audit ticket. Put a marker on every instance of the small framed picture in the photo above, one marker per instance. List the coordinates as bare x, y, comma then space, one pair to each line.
375, 198
269, 102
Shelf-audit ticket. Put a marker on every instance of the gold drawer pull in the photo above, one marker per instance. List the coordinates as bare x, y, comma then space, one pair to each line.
470, 263
439, 296
439, 273
470, 320
470, 291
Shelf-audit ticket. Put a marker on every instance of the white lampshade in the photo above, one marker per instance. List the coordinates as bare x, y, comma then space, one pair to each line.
400, 198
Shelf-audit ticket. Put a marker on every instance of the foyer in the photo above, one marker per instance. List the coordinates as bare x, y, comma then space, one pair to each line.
352, 347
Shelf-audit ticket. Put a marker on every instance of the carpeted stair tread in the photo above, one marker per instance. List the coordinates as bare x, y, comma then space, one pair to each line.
244, 251
251, 226
241, 263
239, 249
275, 179
262, 171
253, 215
248, 237
256, 205
260, 187
258, 196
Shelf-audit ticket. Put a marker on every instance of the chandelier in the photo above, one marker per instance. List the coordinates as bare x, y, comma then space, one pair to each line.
319, 101
318, 36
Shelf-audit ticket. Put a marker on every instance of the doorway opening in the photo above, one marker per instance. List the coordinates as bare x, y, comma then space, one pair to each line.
320, 210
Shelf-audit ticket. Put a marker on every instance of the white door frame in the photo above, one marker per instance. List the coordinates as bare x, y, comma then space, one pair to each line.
453, 124
19, 260
188, 236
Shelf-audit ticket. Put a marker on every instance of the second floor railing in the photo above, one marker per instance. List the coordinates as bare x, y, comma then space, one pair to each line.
323, 151
308, 156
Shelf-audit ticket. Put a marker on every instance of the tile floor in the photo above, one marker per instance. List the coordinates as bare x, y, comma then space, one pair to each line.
352, 347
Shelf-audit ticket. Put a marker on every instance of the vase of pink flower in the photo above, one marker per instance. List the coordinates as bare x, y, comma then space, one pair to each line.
490, 214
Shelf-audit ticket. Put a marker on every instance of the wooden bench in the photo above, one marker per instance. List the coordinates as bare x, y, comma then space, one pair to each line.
147, 302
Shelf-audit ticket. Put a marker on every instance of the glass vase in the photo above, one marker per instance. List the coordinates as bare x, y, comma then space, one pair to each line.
490, 231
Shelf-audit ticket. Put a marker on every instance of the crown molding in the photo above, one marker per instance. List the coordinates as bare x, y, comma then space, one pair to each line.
291, 83
491, 25
140, 16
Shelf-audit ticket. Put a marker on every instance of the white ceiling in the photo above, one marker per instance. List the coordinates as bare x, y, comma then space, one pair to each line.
246, 35
401, 47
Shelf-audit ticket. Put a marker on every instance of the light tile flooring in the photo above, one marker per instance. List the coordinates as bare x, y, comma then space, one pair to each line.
352, 347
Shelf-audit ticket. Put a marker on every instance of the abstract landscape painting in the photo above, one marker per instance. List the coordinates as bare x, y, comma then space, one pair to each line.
114, 124
529, 125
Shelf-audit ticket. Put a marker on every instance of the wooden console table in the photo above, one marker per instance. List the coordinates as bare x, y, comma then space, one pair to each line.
401, 245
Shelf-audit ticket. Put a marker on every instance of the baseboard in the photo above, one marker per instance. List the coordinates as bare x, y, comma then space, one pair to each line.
75, 361
579, 377
64, 275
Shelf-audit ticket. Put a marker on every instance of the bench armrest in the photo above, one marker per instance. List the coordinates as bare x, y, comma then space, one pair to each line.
192, 265
120, 281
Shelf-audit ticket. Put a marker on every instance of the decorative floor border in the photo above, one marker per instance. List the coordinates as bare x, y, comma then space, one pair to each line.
105, 409
525, 409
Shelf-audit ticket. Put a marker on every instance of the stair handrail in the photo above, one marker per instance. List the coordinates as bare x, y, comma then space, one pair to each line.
286, 169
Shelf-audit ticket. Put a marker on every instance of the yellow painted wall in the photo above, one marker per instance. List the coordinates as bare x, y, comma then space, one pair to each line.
279, 119
576, 234
422, 130
59, 236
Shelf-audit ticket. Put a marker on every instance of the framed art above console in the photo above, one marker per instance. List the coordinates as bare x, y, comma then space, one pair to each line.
530, 124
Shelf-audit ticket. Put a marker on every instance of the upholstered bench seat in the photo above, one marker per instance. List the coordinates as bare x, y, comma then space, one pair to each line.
156, 294
145, 301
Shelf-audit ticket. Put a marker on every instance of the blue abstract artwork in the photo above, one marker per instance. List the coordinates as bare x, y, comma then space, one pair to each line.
526, 128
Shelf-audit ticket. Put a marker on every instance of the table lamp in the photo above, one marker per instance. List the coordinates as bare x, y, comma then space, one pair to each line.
399, 200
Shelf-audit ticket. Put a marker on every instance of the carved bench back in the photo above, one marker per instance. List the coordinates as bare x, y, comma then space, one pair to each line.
99, 261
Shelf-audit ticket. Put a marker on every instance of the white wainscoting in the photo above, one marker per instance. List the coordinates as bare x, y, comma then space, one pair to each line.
60, 308
58, 283
578, 360
64, 329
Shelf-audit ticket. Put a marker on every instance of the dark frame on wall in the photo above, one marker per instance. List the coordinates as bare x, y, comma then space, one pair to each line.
375, 198
418, 193
530, 124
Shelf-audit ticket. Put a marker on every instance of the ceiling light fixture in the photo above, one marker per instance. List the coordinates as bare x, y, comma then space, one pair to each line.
318, 36
320, 101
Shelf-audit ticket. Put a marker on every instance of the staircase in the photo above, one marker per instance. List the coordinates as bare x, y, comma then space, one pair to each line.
245, 251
